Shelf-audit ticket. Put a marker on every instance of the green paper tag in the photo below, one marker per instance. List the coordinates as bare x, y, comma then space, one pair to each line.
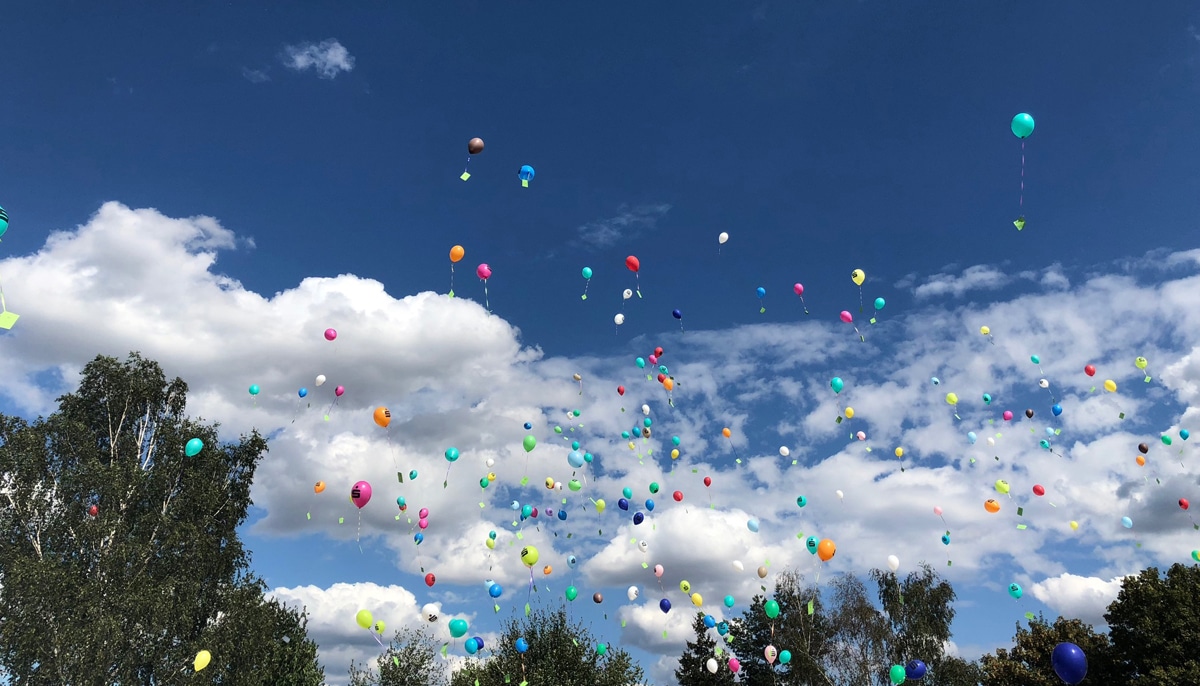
309, 515
464, 177
341, 520
810, 607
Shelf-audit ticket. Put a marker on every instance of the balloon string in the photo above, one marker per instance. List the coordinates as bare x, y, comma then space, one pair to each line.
803, 303
486, 304
1022, 202
452, 276
860, 301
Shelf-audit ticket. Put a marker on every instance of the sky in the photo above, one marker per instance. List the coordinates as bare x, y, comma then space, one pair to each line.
217, 189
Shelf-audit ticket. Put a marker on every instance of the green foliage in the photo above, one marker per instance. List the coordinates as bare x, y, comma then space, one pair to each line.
1154, 625
130, 595
410, 660
1028, 662
692, 669
561, 653
919, 611
805, 636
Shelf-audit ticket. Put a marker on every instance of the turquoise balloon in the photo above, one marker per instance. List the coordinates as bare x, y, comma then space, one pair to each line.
896, 674
729, 602
458, 627
194, 447
587, 272
675, 440
254, 389
879, 303
451, 454
640, 362
1035, 359
628, 492
3, 221
837, 384
1022, 125
785, 656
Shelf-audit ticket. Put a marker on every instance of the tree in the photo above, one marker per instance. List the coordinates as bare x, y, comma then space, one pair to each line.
859, 635
1028, 662
692, 669
130, 591
919, 611
410, 660
1154, 625
560, 652
804, 635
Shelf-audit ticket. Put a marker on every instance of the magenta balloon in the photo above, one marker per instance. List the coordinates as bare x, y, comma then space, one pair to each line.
847, 317
330, 334
361, 494
1008, 415
798, 288
423, 513
483, 271
339, 391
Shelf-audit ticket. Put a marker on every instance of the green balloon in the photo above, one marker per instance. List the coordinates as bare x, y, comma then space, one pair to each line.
574, 485
601, 649
1022, 125
772, 608
1166, 440
558, 429
483, 482
896, 674
530, 443
572, 593
654, 487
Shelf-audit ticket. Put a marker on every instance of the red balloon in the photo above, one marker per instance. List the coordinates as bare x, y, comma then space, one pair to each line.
658, 352
1183, 503
678, 496
533, 513
708, 481
93, 510
430, 579
633, 264
661, 377
1089, 370
1038, 490
620, 390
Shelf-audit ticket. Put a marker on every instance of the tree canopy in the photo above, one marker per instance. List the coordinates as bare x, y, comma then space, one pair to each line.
120, 556
411, 659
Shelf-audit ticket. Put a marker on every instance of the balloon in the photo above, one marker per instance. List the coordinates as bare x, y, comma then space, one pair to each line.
383, 416
937, 511
893, 562
1014, 590
771, 607
707, 481
618, 319
858, 276
93, 511
801, 501
1127, 522
785, 656
194, 446
992, 506
451, 454
752, 524
770, 653
1008, 415
952, 398
762, 292
3, 221
458, 627
734, 665
971, 437
839, 494
1022, 125
1057, 409
475, 146
879, 303
633, 264
1089, 370
1070, 664
529, 555
1110, 385
254, 389
1140, 363
723, 238
915, 670
202, 658
364, 619
784, 451
457, 252
320, 379
837, 384
483, 271
303, 392
429, 612
664, 605
471, 646
430, 579
985, 330
529, 443
896, 674
521, 645
711, 665
1039, 490
677, 314
987, 398
1029, 414
1074, 525
1143, 448
526, 175
572, 593
658, 571
361, 494
1001, 486
1184, 434
587, 272
339, 391
826, 550
627, 293
330, 334
847, 317
798, 288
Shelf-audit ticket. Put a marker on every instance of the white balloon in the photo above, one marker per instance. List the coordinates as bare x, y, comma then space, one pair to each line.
430, 612
643, 546
1044, 383
737, 564
632, 593
619, 319
320, 379
646, 410
783, 450
723, 237
711, 665
490, 462
893, 562
627, 294
840, 495
991, 441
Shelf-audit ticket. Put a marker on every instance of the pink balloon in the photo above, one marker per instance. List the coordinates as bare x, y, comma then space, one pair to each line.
330, 334
423, 523
361, 494
658, 571
339, 391
862, 436
798, 288
937, 510
1008, 415
847, 317
423, 513
770, 653
734, 665
653, 359
483, 271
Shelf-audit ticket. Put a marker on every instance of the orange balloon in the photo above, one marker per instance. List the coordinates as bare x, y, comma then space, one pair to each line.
547, 570
383, 416
991, 506
1141, 461
320, 486
726, 432
457, 253
669, 383
826, 550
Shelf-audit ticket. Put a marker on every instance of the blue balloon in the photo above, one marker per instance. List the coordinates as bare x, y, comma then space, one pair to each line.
625, 435
302, 392
649, 504
515, 505
1057, 409
495, 590
946, 539
401, 501
987, 400
752, 524
801, 501
915, 670
572, 561
471, 646
723, 628
677, 314
562, 515
522, 645
709, 622
623, 504
935, 381
528, 426
575, 459
478, 642
574, 445
1184, 433
1070, 664
1127, 522
527, 510
971, 437
1049, 431
762, 292
638, 517
664, 605
526, 173
418, 537
3, 221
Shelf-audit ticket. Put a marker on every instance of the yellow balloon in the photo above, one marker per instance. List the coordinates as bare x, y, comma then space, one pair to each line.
1140, 363
952, 398
549, 482
600, 505
1002, 486
202, 659
985, 330
380, 627
849, 413
1074, 525
632, 446
364, 619
1110, 385
675, 453
697, 599
899, 452
529, 555
491, 544
491, 476
685, 586
858, 276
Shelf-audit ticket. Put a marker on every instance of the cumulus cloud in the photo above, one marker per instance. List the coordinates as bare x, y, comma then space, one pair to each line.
328, 58
255, 75
628, 223
134, 279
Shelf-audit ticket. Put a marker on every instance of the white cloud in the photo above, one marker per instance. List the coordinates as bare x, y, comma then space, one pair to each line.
137, 280
255, 75
1081, 597
328, 58
978, 277
629, 223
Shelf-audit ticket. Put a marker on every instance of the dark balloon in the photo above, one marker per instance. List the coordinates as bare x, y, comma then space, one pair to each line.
677, 314
1029, 414
475, 146
598, 598
915, 670
1143, 448
1070, 664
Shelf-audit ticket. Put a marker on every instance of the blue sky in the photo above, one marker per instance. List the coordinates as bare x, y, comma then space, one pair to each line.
861, 135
